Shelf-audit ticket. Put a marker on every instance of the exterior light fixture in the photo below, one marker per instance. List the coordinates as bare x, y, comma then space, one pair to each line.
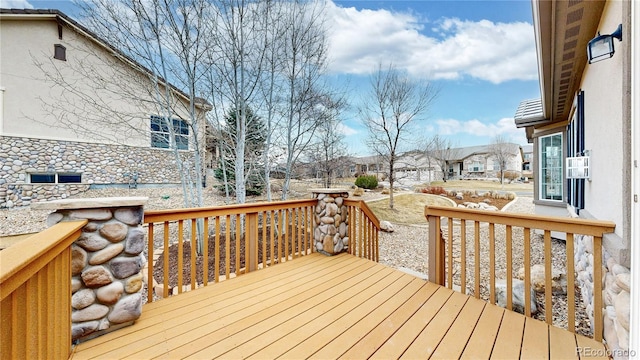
601, 47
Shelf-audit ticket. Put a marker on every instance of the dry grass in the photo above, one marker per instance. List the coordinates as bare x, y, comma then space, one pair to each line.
408, 208
482, 185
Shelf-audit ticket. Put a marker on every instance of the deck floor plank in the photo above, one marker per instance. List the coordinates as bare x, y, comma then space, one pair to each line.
535, 340
484, 334
352, 327
453, 344
393, 347
337, 319
509, 339
360, 342
314, 318
425, 344
332, 307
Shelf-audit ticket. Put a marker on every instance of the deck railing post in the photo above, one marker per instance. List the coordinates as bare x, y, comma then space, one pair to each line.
436, 251
106, 262
331, 221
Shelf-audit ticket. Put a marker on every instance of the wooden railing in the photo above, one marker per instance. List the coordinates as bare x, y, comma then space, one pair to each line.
240, 238
35, 290
363, 230
441, 257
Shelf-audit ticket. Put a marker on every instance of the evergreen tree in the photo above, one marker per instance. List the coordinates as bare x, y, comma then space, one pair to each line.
254, 147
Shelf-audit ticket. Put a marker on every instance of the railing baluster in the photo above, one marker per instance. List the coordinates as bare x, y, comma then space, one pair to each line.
227, 247
492, 263
450, 249
548, 310
527, 271
296, 232
251, 243
238, 244
509, 259
205, 253
150, 265
216, 256
272, 230
571, 294
180, 253
463, 256
193, 254
165, 281
476, 237
597, 288
264, 239
281, 253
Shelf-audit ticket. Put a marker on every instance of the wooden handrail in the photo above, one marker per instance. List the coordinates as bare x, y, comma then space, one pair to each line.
21, 261
441, 253
153, 216
35, 293
364, 228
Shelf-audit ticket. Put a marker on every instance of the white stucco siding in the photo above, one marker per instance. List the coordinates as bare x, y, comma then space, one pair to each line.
603, 90
104, 100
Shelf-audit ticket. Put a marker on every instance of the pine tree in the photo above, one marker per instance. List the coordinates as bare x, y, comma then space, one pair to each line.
254, 147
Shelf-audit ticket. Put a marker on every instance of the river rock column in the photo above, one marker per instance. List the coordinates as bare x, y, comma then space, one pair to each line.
106, 262
331, 221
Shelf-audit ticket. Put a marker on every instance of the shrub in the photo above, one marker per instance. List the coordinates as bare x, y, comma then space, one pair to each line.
367, 182
434, 190
511, 175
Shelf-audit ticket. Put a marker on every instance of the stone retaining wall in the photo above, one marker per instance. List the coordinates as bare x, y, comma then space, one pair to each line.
615, 292
106, 262
97, 163
331, 221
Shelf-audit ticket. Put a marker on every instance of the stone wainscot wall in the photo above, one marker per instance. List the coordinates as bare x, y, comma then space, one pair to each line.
106, 262
616, 289
97, 163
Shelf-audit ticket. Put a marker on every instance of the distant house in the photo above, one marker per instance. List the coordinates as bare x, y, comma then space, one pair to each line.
586, 142
479, 162
76, 112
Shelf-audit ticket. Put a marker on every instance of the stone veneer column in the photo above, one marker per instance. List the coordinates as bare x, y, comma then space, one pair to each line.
331, 221
106, 261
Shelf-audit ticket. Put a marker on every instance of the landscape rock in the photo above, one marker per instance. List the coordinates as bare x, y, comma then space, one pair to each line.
622, 304
622, 280
124, 267
386, 226
130, 216
558, 283
135, 242
517, 295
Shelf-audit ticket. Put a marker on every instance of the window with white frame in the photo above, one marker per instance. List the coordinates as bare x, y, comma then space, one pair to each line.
476, 166
551, 167
161, 134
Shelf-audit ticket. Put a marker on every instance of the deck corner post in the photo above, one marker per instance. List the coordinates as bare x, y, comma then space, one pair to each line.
107, 262
331, 221
436, 251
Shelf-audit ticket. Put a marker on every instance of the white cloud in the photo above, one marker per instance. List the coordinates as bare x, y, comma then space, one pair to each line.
15, 4
347, 131
504, 126
495, 52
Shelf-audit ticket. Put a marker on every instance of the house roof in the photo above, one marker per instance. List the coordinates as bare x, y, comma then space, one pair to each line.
462, 153
30, 14
562, 30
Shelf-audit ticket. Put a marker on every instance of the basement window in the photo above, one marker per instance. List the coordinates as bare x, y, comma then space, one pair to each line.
59, 52
55, 178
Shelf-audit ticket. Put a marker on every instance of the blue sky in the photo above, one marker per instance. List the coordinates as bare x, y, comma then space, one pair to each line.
481, 54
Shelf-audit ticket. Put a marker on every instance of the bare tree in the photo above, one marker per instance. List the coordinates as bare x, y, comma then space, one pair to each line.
442, 150
392, 107
502, 151
303, 54
329, 147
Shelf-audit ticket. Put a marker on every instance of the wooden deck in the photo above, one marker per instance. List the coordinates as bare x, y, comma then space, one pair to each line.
332, 307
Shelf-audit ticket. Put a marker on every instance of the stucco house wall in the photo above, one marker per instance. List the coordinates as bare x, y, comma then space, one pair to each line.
87, 114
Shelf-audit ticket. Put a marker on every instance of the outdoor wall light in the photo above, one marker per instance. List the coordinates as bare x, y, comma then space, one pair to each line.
601, 47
